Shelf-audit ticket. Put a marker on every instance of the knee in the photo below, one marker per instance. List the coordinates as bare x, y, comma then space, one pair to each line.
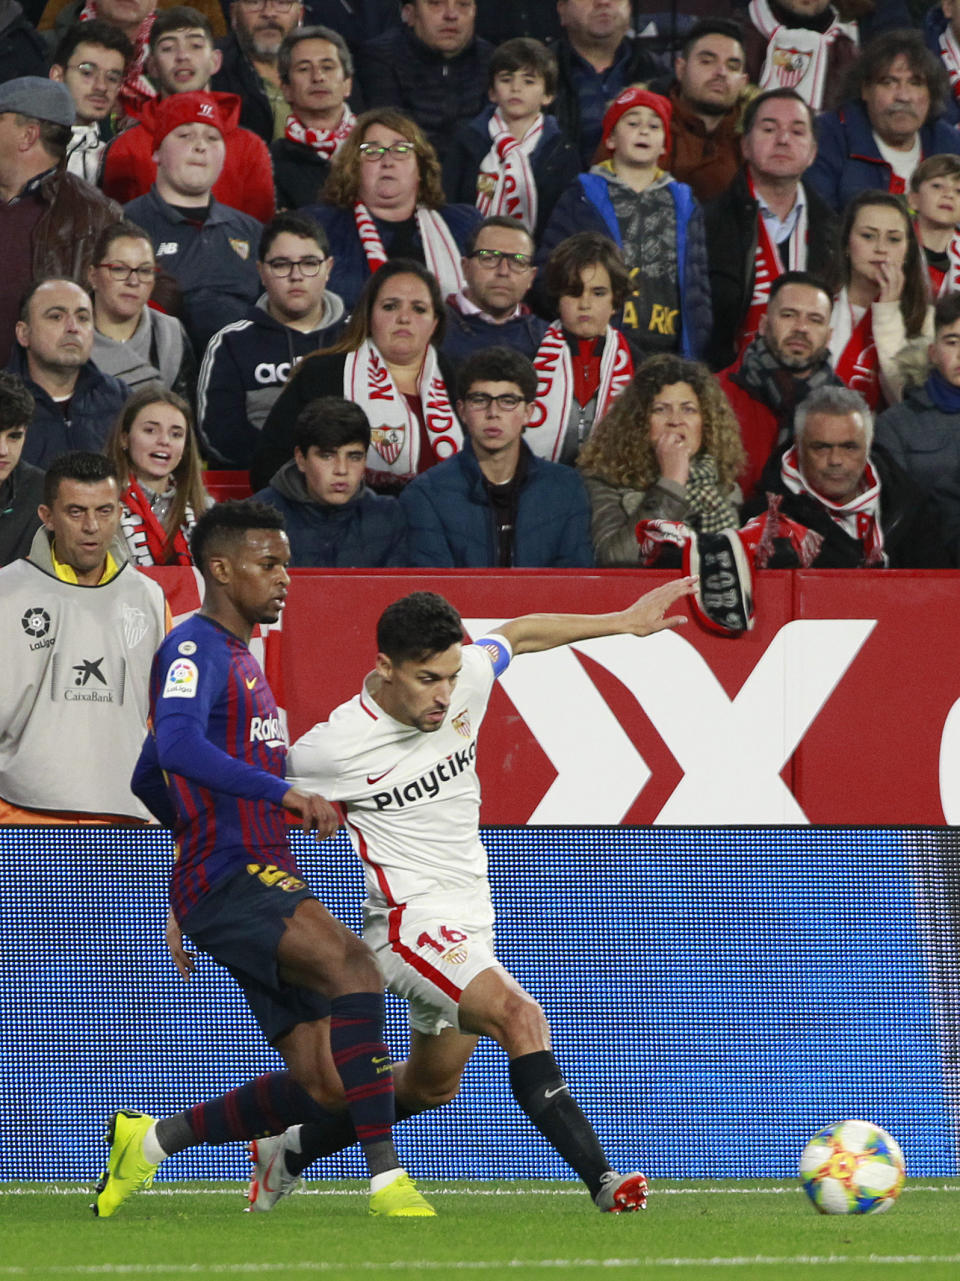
359, 971
325, 1089
520, 1022
422, 1096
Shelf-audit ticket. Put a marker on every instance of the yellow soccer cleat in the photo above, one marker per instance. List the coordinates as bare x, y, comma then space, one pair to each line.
401, 1200
127, 1170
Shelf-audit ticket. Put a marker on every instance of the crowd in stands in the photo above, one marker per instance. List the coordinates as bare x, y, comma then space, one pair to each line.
559, 283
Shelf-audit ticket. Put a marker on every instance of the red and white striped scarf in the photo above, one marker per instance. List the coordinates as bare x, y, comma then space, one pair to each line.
768, 265
136, 87
440, 251
859, 518
855, 359
327, 142
950, 57
797, 58
505, 182
147, 539
554, 365
395, 429
946, 282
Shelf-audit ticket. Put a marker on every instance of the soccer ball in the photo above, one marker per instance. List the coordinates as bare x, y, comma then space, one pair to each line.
852, 1167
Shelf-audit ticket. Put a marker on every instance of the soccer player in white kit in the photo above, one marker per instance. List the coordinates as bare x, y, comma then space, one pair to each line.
401, 759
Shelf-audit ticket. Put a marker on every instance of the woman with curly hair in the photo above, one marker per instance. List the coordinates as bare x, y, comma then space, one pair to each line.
383, 199
669, 449
153, 446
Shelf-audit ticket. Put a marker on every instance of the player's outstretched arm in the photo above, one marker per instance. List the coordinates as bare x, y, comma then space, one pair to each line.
533, 632
316, 814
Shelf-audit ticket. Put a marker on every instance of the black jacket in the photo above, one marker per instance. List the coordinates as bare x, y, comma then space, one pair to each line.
566, 105
20, 495
913, 535
298, 173
730, 222
238, 75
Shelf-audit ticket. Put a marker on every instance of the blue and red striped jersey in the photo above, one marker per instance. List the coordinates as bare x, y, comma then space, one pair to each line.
216, 734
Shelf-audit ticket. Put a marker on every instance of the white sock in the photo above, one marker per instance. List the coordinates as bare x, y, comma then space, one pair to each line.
380, 1181
292, 1138
152, 1151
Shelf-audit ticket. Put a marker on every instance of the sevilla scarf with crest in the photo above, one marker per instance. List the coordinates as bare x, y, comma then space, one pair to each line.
505, 182
395, 430
768, 265
555, 381
326, 142
148, 541
441, 253
797, 58
859, 518
136, 88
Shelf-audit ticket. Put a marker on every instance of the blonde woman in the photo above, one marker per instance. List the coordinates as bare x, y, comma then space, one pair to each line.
668, 449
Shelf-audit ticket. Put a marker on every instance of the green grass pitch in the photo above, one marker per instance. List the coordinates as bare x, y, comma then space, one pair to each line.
690, 1232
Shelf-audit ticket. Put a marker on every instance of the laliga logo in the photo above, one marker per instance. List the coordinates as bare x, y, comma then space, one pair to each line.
731, 751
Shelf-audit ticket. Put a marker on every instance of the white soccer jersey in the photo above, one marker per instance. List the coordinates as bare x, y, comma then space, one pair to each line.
412, 798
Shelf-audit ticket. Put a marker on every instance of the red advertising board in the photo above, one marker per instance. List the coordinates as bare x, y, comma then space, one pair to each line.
836, 708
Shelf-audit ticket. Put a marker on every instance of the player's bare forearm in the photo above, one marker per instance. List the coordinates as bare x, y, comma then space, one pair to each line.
534, 632
184, 961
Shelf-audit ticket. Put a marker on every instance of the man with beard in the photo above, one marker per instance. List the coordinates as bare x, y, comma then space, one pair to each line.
768, 221
889, 121
784, 363
250, 62
711, 76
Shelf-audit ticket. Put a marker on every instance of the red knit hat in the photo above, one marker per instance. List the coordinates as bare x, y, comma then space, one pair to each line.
637, 97
186, 109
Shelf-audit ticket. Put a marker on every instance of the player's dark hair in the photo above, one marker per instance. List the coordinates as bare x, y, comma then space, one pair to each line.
497, 220
752, 109
224, 524
498, 365
96, 31
711, 27
124, 229
80, 465
16, 403
525, 54
946, 312
562, 274
799, 278
181, 17
295, 224
298, 34
34, 285
330, 422
418, 625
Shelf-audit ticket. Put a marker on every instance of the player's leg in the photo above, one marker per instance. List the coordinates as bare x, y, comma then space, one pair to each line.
494, 1004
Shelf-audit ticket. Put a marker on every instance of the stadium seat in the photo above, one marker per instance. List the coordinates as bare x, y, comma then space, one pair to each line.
222, 485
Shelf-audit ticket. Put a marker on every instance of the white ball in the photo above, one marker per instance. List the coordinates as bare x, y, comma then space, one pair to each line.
852, 1167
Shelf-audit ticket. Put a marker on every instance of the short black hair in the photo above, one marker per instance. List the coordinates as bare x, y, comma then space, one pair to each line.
298, 34
767, 95
80, 465
798, 278
496, 220
712, 27
561, 274
525, 54
498, 365
946, 312
182, 17
418, 625
295, 224
16, 404
224, 524
329, 422
96, 31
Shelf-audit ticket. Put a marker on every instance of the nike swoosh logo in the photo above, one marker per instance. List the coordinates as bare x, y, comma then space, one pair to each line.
251, 682
384, 1058
548, 1094
371, 781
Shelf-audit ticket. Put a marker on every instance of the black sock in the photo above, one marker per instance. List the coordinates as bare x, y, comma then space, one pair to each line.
539, 1088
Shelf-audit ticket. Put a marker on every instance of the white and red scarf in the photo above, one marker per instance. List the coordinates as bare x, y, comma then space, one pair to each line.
797, 58
440, 251
768, 265
395, 429
859, 518
554, 365
505, 182
950, 57
136, 88
325, 142
855, 359
147, 540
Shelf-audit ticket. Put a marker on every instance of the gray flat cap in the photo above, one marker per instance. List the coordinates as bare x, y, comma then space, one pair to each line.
43, 99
